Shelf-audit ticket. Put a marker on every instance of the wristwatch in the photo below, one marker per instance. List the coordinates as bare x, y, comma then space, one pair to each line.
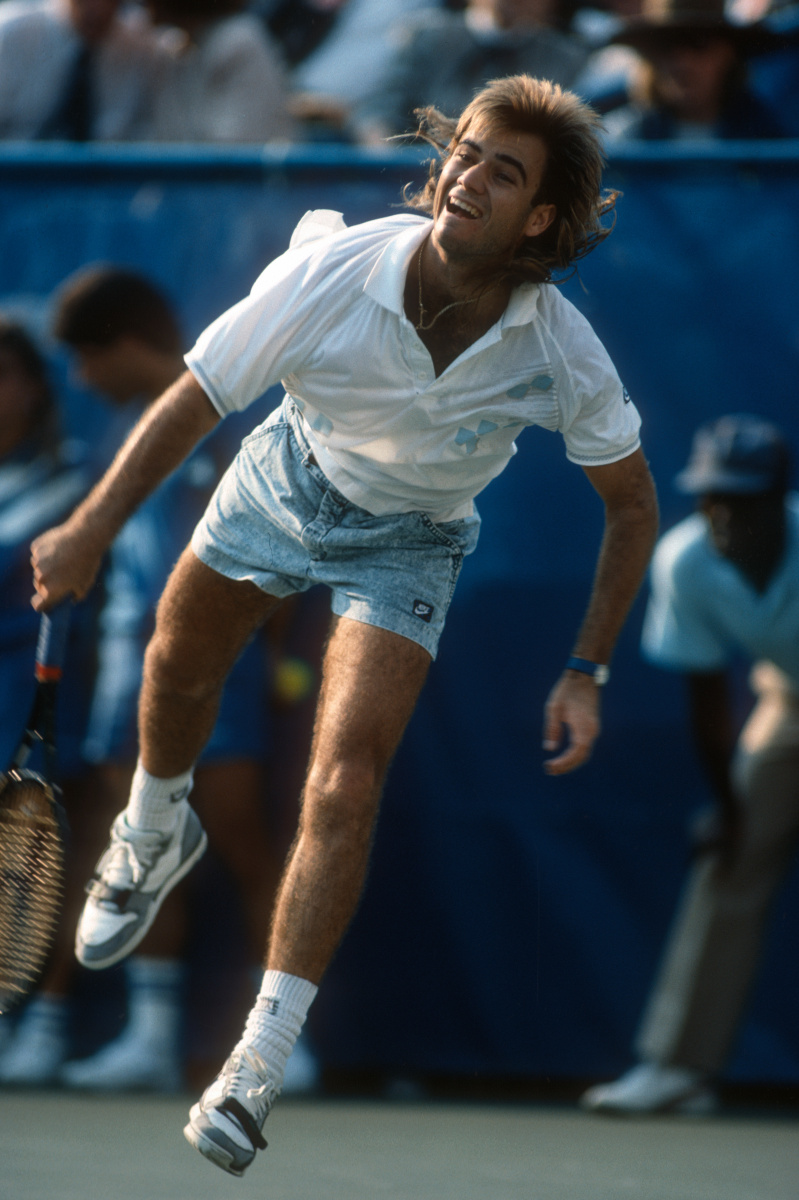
598, 671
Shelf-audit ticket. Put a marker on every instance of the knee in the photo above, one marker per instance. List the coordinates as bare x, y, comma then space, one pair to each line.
340, 803
169, 670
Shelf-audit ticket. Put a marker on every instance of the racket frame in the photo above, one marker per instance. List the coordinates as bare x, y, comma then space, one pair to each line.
40, 729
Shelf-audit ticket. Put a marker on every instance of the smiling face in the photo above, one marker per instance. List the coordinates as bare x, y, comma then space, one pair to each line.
484, 203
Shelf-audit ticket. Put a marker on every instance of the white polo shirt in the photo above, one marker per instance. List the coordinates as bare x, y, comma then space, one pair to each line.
327, 320
702, 610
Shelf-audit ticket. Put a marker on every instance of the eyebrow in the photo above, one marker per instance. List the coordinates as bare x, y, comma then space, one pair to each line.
507, 158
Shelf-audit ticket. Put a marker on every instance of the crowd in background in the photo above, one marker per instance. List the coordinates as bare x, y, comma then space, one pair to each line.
354, 71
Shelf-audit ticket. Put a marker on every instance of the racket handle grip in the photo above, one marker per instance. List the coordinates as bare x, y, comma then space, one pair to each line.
52, 643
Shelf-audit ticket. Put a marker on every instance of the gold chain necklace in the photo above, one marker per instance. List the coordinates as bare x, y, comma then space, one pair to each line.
420, 326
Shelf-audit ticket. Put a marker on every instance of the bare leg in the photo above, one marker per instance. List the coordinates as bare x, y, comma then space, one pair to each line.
203, 622
370, 684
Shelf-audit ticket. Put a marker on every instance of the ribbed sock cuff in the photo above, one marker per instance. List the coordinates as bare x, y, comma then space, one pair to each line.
284, 993
276, 1019
154, 803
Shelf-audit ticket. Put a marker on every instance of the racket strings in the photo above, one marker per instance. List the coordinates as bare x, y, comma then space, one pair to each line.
31, 884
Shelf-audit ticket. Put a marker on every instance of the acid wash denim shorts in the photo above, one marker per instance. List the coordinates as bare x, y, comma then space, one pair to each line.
276, 520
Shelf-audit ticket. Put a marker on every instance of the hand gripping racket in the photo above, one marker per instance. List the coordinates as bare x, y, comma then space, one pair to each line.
32, 832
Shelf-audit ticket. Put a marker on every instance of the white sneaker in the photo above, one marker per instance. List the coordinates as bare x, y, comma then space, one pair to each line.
124, 1065
132, 878
651, 1088
226, 1123
35, 1054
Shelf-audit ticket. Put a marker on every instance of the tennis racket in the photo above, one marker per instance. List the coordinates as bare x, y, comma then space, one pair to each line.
32, 832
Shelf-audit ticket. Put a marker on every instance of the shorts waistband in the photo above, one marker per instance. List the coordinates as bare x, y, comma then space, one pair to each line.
297, 423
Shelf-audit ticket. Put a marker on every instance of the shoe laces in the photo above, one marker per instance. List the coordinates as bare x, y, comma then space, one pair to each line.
128, 859
247, 1074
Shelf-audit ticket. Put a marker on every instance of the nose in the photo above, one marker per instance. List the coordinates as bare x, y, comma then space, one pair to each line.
473, 177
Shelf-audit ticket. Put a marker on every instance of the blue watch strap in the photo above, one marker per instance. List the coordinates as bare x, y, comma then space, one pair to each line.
598, 671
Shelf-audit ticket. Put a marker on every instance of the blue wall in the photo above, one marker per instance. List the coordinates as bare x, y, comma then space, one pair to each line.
512, 922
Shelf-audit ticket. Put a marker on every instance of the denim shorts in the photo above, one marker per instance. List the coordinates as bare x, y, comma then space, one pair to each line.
276, 520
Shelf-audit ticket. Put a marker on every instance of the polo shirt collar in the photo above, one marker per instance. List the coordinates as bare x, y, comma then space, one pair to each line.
522, 305
386, 281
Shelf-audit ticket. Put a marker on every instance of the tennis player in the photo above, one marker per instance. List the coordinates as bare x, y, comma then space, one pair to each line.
413, 350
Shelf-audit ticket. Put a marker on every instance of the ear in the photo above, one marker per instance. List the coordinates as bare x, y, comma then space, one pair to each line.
540, 218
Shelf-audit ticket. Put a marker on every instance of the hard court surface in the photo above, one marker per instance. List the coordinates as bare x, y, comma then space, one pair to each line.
66, 1147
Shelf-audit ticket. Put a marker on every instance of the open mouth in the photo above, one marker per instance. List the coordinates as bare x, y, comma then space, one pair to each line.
462, 208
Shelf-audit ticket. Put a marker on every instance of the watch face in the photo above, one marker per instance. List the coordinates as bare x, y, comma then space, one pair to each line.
601, 675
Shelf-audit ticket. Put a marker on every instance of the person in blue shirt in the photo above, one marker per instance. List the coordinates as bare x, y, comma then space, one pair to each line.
42, 476
725, 583
126, 343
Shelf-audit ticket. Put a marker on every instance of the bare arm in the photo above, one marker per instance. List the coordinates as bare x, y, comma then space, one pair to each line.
66, 559
631, 524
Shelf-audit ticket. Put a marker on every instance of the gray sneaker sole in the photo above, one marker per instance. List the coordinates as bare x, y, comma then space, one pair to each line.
212, 1151
703, 1103
95, 959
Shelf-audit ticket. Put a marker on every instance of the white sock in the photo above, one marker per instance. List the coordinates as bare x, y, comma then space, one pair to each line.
156, 803
155, 1001
276, 1019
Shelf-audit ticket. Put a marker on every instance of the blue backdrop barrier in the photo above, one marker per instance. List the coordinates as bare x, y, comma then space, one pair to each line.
512, 922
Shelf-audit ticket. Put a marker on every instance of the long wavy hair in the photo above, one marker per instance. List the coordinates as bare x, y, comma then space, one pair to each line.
572, 179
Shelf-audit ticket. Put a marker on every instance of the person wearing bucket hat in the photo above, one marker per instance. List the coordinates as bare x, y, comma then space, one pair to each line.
690, 79
737, 455
724, 583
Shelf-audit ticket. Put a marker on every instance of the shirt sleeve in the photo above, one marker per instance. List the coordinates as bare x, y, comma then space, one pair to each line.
255, 343
271, 332
598, 420
679, 631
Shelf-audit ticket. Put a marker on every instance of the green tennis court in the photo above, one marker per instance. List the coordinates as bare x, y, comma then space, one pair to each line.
66, 1147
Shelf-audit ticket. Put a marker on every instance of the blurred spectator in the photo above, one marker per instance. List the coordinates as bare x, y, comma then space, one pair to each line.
226, 82
605, 79
725, 582
350, 62
42, 477
691, 82
77, 70
775, 74
127, 345
443, 57
300, 26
